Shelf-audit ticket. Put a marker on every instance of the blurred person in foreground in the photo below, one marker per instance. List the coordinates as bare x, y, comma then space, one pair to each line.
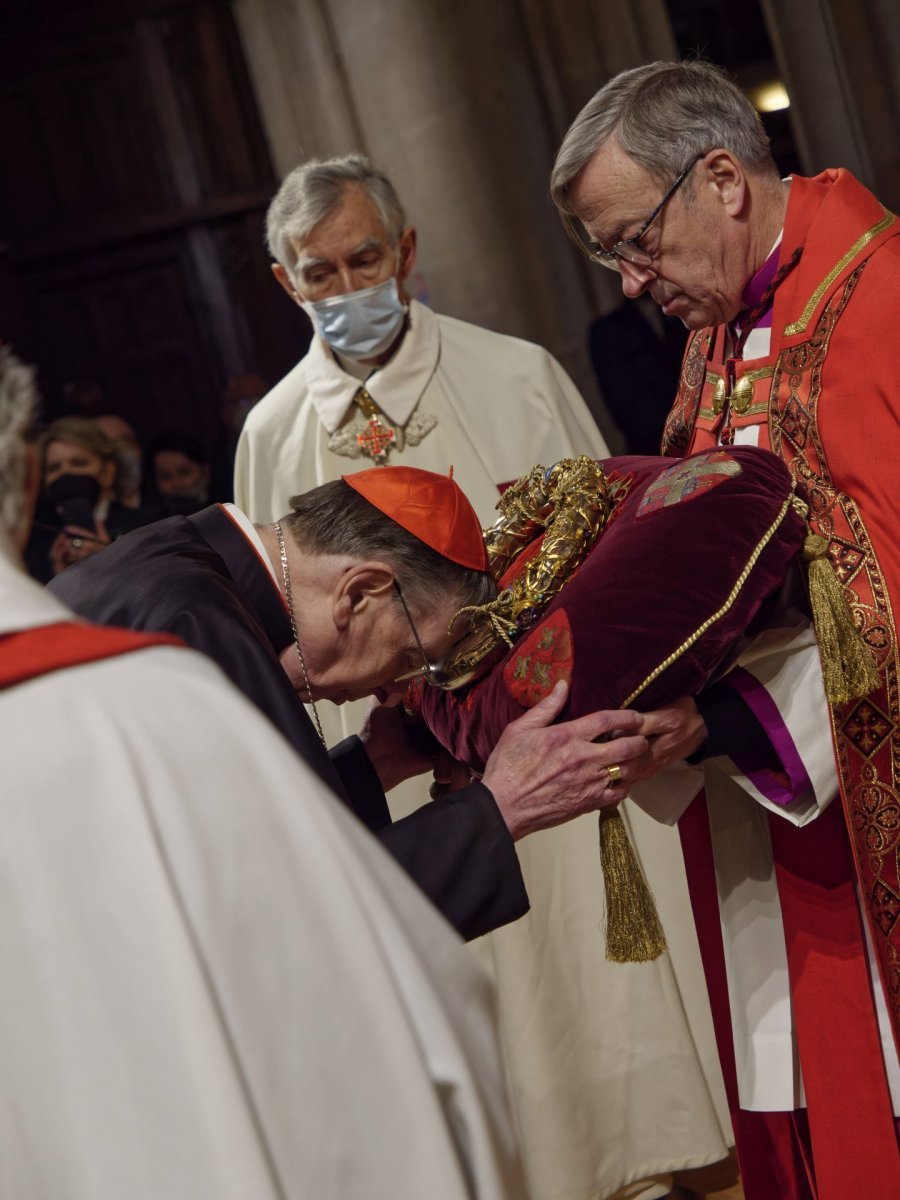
215, 984
790, 291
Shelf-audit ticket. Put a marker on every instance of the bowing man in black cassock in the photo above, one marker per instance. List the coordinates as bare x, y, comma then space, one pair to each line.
312, 607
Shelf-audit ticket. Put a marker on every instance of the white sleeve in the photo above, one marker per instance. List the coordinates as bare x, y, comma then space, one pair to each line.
779, 676
668, 793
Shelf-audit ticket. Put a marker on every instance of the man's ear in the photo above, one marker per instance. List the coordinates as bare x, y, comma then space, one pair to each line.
286, 282
726, 177
360, 588
407, 250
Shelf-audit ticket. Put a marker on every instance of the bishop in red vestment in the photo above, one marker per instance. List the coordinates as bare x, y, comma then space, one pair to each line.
791, 289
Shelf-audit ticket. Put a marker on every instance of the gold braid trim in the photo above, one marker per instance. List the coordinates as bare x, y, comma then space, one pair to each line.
860, 244
716, 616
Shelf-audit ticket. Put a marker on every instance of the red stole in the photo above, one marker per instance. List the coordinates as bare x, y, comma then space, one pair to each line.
29, 653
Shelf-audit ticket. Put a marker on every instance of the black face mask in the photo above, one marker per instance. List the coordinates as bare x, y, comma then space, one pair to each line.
75, 497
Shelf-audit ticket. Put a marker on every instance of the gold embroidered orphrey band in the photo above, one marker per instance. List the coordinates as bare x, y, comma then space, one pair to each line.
865, 731
799, 326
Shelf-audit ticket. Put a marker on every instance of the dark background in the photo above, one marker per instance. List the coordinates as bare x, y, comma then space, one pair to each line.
135, 179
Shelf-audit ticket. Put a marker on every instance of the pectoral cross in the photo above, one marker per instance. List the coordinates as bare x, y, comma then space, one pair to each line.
376, 440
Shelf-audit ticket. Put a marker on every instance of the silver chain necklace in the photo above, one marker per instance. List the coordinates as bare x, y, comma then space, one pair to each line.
290, 603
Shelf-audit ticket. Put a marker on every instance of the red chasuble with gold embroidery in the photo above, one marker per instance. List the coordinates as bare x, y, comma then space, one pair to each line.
827, 399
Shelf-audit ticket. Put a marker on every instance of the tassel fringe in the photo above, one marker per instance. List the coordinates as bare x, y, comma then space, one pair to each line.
634, 932
847, 666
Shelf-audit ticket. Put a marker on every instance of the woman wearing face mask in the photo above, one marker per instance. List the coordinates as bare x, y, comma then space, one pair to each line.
82, 512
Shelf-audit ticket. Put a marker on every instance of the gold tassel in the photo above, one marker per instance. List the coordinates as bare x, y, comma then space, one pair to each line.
634, 932
847, 666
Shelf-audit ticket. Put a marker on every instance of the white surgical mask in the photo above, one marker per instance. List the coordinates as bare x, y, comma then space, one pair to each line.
359, 324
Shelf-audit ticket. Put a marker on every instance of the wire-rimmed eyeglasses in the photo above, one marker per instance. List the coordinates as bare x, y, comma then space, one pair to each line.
430, 672
630, 249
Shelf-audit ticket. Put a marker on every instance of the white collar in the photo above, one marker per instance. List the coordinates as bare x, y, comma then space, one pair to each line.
248, 529
396, 387
24, 604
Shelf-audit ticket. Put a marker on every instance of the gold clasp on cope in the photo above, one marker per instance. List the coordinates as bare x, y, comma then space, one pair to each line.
740, 399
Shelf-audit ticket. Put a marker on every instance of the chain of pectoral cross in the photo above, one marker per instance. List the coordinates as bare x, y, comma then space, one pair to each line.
376, 439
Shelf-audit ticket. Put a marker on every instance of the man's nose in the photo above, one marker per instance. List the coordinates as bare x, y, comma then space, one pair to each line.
635, 280
346, 282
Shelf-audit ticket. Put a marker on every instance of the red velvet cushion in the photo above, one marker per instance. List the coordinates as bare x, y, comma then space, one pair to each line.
679, 539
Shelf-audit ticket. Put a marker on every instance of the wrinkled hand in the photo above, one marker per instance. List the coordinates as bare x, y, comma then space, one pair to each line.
73, 544
385, 733
672, 734
542, 774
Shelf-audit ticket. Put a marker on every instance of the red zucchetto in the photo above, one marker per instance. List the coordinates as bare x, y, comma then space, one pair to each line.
431, 507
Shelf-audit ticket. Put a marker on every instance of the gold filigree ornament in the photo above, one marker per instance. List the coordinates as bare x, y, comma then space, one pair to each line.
571, 503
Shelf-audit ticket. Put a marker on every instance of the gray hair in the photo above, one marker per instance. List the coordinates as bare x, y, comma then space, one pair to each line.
663, 115
313, 190
335, 519
18, 403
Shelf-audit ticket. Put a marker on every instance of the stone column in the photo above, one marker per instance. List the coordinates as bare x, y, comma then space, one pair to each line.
840, 60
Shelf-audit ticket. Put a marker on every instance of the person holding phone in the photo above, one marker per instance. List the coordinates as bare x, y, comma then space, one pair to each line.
83, 513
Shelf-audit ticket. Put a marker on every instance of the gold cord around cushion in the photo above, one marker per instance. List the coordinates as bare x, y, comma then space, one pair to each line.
720, 612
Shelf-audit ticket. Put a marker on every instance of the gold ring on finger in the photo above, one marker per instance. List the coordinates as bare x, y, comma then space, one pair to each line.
615, 774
